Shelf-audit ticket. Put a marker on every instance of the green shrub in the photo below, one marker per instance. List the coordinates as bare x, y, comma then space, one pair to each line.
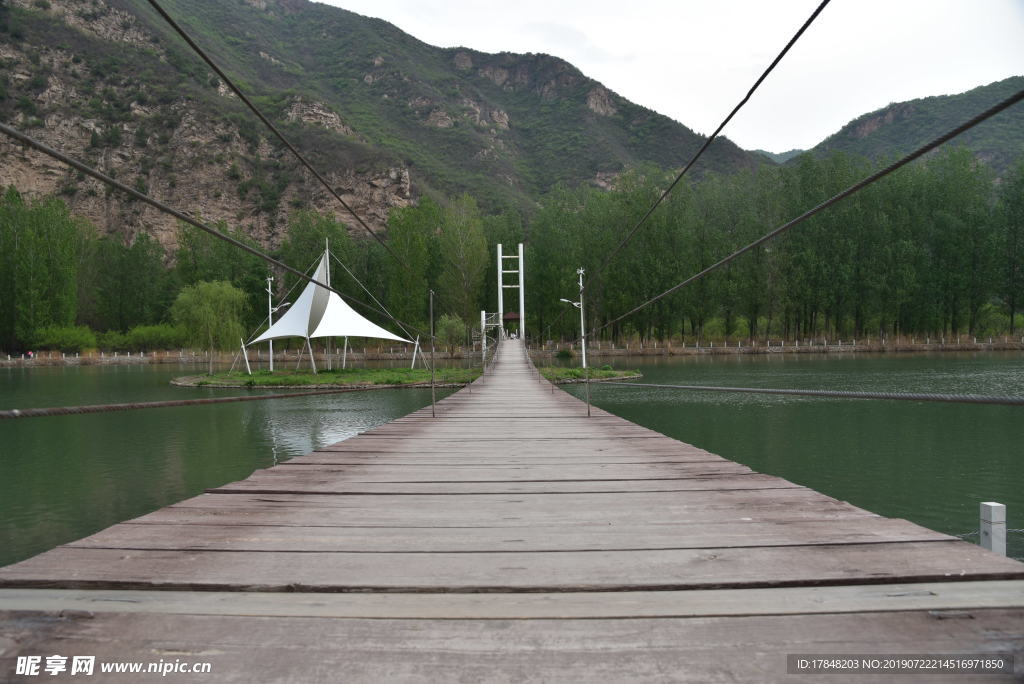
451, 330
565, 354
65, 338
148, 337
714, 329
112, 340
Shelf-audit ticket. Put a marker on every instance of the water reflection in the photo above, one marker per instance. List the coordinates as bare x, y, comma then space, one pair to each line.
62, 478
926, 462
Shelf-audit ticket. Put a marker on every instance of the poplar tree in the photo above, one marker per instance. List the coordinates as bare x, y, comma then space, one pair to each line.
211, 314
463, 251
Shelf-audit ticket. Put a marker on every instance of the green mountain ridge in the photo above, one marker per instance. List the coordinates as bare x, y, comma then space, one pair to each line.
780, 157
464, 118
901, 127
359, 96
386, 117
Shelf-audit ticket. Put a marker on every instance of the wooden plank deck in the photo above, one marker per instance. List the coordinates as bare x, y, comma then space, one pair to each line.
512, 538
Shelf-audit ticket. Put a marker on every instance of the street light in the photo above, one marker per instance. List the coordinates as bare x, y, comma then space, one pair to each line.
271, 310
583, 334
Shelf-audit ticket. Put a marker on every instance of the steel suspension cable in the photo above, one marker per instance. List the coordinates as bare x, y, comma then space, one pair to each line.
367, 291
107, 408
181, 216
707, 143
856, 187
844, 394
280, 136
266, 318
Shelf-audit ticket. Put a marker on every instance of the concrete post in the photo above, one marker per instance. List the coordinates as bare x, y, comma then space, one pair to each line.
483, 343
993, 527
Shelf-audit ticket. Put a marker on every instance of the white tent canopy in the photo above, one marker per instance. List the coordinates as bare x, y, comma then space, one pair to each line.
318, 312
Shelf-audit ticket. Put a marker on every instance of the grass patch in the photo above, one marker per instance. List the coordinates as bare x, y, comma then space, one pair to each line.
341, 378
559, 374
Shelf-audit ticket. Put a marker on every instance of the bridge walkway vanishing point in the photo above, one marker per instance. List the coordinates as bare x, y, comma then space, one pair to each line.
510, 539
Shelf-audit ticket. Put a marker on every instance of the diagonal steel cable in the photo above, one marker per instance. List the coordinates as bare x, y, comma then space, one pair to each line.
280, 136
367, 291
707, 143
181, 216
856, 187
845, 394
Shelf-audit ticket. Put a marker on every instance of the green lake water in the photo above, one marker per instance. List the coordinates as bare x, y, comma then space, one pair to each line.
62, 478
930, 463
65, 477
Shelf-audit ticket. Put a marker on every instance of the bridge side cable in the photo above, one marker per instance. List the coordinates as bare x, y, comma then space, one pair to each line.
845, 394
280, 136
595, 275
856, 187
707, 143
28, 141
11, 414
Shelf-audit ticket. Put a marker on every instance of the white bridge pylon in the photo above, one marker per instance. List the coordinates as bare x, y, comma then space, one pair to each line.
520, 285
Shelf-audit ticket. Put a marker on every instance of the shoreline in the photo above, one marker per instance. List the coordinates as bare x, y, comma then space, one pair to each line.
658, 349
598, 350
196, 381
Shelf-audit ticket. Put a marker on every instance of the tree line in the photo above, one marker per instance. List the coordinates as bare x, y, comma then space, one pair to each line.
68, 287
937, 248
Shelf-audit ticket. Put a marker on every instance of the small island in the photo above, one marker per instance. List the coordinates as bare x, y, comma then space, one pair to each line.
561, 375
362, 378
382, 378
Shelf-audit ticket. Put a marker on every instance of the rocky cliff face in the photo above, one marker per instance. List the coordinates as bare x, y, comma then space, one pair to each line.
902, 126
177, 151
382, 115
867, 125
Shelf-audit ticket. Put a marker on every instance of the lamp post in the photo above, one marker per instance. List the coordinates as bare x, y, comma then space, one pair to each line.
583, 334
271, 310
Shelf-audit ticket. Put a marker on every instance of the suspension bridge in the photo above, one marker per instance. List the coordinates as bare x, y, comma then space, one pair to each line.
511, 537
511, 532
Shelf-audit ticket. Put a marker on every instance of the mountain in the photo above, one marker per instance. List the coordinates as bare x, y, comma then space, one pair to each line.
902, 127
385, 116
780, 157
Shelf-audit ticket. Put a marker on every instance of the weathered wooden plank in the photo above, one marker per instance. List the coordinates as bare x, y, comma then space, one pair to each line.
699, 650
502, 473
1000, 594
739, 481
513, 510
200, 536
464, 459
298, 513
416, 450
512, 491
935, 561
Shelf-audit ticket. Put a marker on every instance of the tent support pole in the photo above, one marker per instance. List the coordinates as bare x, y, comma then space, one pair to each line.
344, 354
414, 350
245, 356
312, 359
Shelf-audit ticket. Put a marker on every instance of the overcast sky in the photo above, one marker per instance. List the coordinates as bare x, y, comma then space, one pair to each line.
693, 60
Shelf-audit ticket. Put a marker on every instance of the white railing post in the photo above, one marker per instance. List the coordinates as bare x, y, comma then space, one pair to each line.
993, 527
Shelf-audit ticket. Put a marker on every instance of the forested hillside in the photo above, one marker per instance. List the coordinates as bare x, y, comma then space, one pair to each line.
387, 118
450, 152
901, 127
936, 248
